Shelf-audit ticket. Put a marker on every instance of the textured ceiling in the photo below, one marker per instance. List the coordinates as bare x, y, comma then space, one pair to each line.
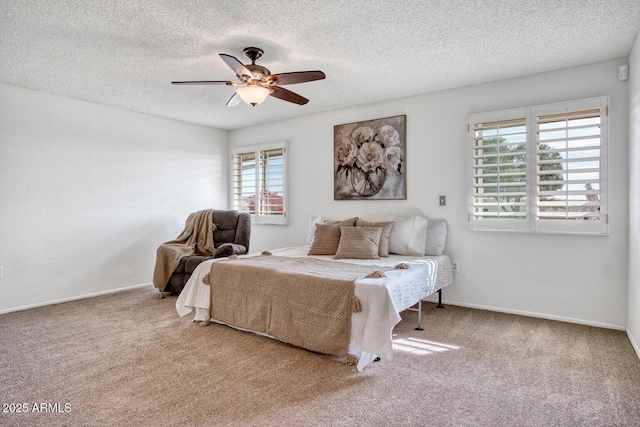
125, 53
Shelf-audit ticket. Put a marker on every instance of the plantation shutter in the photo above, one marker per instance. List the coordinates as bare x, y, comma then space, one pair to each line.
540, 169
244, 181
259, 182
571, 167
272, 181
571, 144
500, 172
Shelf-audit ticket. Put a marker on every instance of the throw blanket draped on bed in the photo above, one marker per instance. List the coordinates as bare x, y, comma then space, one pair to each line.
195, 239
305, 302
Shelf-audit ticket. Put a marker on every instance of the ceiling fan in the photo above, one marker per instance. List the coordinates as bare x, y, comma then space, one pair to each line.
256, 82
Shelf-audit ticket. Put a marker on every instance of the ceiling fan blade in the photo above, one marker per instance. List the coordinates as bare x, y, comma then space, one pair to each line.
236, 65
297, 77
234, 100
287, 95
202, 82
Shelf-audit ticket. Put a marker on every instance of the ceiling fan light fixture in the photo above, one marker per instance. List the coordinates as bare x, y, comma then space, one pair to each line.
256, 82
253, 94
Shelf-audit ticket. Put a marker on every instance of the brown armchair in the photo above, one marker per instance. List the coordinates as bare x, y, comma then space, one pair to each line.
230, 237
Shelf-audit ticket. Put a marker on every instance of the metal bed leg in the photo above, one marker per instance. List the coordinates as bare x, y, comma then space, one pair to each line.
419, 327
440, 299
419, 310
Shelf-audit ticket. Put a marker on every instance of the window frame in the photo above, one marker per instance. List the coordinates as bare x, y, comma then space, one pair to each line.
257, 150
531, 223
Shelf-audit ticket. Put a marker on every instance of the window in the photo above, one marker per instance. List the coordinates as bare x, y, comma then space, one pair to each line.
540, 169
259, 182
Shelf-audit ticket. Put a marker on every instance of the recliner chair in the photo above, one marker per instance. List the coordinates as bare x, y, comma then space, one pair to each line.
231, 237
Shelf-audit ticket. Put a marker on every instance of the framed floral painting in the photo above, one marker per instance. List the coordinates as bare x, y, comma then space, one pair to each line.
369, 160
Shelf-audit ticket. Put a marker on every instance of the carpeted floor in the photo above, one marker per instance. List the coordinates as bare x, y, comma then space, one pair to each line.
127, 359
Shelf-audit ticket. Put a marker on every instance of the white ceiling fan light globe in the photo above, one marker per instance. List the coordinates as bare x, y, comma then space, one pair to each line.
253, 94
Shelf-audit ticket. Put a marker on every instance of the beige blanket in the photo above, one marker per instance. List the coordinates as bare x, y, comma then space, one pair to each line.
195, 239
305, 302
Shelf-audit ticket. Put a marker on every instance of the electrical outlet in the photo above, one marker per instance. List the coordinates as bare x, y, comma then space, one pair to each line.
443, 200
1, 272
455, 266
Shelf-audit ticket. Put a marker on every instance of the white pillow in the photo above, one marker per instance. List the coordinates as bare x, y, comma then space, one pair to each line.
312, 228
436, 237
409, 236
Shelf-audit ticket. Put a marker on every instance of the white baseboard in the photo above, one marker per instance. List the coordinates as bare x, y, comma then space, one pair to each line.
74, 298
532, 314
634, 344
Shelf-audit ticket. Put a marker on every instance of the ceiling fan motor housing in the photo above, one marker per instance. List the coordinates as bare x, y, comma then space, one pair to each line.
258, 70
254, 53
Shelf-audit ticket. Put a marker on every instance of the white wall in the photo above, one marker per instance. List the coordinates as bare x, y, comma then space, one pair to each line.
575, 278
88, 192
633, 327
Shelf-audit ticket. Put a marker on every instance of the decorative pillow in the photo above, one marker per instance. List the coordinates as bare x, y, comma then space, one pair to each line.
359, 242
228, 249
409, 236
325, 239
383, 249
315, 220
436, 237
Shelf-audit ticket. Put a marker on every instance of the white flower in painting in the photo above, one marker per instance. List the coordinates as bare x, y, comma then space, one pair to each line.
389, 136
393, 158
362, 134
370, 156
346, 154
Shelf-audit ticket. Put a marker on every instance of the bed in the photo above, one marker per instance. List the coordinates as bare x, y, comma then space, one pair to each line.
413, 269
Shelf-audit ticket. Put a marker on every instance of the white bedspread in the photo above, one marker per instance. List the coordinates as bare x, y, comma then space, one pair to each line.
382, 299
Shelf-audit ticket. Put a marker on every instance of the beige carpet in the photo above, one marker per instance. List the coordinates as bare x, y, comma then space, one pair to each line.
127, 359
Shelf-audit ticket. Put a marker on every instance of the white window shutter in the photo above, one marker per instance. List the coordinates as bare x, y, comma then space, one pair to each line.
540, 169
259, 182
